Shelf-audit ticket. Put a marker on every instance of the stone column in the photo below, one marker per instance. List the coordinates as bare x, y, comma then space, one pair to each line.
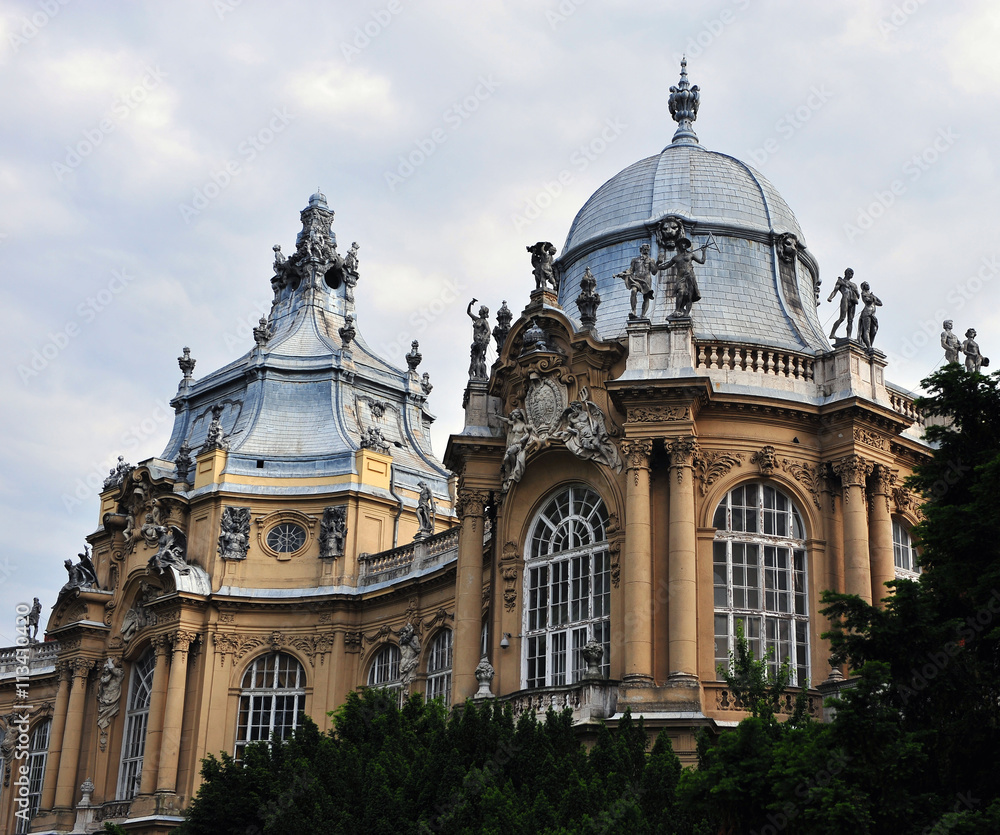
637, 566
468, 594
853, 470
682, 547
154, 724
173, 713
55, 736
880, 531
69, 757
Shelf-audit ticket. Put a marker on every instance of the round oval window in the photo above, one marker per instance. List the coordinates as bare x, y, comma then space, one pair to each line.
286, 537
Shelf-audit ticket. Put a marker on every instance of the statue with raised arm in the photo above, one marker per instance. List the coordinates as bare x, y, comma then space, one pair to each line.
950, 342
480, 341
849, 295
868, 322
639, 279
686, 283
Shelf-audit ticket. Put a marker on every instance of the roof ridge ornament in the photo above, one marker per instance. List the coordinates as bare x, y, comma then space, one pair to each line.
684, 100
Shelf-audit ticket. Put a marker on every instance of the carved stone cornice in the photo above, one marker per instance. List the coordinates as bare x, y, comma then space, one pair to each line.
710, 466
853, 471
471, 502
643, 413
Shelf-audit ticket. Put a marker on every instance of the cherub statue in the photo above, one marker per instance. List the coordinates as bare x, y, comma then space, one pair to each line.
542, 265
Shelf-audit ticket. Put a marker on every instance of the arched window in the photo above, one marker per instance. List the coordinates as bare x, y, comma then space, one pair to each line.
273, 695
384, 672
38, 753
136, 720
903, 551
759, 564
567, 588
439, 667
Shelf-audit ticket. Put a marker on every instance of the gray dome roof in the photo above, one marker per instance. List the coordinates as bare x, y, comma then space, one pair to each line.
686, 180
748, 295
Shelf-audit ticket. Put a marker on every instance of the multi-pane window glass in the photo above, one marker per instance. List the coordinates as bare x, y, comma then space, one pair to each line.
136, 720
567, 588
439, 667
286, 538
384, 672
903, 552
273, 694
759, 566
38, 752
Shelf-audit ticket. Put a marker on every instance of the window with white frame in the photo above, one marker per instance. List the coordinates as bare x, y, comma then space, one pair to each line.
439, 667
567, 588
273, 694
759, 565
38, 753
136, 720
384, 671
903, 551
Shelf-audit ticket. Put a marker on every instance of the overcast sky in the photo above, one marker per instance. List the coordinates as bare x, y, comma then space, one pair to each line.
123, 236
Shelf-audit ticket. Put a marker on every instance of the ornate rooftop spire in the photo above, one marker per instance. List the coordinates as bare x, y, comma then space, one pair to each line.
683, 103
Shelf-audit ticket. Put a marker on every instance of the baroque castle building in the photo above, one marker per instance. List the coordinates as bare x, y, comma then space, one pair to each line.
667, 447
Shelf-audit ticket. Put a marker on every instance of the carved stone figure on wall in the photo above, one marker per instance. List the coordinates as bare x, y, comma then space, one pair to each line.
868, 321
409, 654
234, 539
426, 510
950, 342
583, 430
480, 341
33, 617
685, 283
668, 233
974, 359
333, 532
9, 731
183, 463
849, 295
347, 332
542, 267
522, 440
588, 300
109, 692
172, 550
639, 279
372, 438
215, 438
82, 575
425, 383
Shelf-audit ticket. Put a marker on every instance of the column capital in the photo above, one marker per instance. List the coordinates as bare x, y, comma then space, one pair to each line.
471, 502
683, 450
81, 667
182, 640
162, 645
883, 479
64, 669
636, 452
853, 470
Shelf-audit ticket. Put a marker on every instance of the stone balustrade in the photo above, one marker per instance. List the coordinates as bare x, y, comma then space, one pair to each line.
398, 562
588, 700
729, 356
41, 659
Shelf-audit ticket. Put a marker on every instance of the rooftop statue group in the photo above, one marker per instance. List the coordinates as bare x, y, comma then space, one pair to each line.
974, 359
849, 297
639, 277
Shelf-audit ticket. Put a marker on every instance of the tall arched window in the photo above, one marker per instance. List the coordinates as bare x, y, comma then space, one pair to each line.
38, 753
384, 672
567, 588
903, 551
136, 720
439, 667
273, 695
759, 563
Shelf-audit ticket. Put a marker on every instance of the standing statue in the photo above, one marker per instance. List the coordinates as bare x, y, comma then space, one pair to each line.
109, 693
426, 510
409, 654
849, 295
974, 358
33, 618
951, 343
542, 267
868, 322
639, 279
687, 284
480, 341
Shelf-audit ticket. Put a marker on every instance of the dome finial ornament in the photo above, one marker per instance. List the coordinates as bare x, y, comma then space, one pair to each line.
683, 101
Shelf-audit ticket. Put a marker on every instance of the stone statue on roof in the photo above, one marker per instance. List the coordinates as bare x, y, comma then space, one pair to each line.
849, 295
950, 342
868, 322
480, 341
543, 254
974, 359
639, 279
